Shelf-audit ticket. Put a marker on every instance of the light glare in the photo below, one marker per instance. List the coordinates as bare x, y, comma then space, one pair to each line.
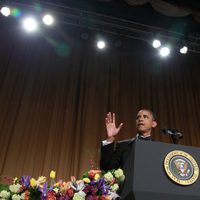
15, 12
5, 11
165, 51
156, 43
30, 24
184, 50
101, 44
48, 20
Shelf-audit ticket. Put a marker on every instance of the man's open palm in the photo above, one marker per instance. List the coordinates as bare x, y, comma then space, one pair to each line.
111, 128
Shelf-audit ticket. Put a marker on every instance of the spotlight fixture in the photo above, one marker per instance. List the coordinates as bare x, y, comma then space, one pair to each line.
5, 11
101, 44
84, 36
48, 20
156, 43
184, 50
30, 24
164, 51
118, 43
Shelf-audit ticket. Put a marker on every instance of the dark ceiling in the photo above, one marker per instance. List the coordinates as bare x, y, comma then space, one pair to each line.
144, 14
122, 19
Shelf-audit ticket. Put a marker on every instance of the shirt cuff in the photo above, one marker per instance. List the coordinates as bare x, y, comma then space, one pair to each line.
105, 142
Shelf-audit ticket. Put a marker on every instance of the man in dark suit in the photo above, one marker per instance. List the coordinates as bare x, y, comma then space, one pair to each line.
114, 154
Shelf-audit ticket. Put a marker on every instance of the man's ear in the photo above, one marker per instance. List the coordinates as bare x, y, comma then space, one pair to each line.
154, 124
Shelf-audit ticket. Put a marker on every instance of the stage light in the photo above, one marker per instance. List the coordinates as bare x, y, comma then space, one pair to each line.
101, 44
30, 24
84, 36
184, 50
5, 11
164, 51
156, 43
118, 43
48, 20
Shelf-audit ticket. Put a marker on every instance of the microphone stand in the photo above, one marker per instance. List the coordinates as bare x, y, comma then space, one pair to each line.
175, 138
175, 135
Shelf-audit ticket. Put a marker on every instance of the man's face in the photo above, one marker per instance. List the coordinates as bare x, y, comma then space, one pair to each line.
145, 122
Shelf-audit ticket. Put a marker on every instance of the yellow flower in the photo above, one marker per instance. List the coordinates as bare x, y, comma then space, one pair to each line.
33, 182
15, 180
67, 185
86, 180
52, 174
63, 184
56, 184
96, 177
107, 197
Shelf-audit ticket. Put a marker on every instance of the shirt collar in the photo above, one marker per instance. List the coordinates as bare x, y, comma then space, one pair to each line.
142, 136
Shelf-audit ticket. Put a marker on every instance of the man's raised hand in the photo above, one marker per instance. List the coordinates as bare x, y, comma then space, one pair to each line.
111, 128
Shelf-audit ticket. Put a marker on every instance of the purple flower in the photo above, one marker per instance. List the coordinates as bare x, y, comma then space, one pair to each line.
93, 182
25, 181
44, 190
102, 186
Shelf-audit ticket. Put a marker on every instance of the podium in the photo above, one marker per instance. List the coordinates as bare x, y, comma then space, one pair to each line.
146, 177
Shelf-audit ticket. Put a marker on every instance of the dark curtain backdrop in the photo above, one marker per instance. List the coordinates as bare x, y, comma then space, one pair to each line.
56, 88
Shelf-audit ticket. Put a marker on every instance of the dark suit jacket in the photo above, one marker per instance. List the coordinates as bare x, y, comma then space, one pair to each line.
114, 155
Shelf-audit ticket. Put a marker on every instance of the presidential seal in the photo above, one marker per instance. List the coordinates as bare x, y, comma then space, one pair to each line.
181, 167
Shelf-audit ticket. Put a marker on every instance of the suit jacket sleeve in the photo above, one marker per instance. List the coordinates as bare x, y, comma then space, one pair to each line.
114, 155
110, 157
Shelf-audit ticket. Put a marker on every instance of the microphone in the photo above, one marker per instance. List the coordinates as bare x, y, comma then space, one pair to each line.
172, 132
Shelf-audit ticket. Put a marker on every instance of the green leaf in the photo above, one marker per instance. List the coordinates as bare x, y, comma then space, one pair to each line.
4, 187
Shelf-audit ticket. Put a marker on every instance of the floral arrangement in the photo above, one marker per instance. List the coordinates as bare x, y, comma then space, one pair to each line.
94, 185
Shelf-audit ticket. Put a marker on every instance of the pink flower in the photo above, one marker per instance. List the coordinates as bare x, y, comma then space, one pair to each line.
70, 192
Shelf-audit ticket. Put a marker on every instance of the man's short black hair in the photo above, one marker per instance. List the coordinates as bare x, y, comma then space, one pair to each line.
151, 112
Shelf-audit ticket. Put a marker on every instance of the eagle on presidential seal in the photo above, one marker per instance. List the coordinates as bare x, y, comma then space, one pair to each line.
182, 167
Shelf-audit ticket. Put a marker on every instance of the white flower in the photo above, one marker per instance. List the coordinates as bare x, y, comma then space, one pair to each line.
41, 180
113, 195
78, 186
15, 188
115, 187
108, 176
22, 196
82, 194
122, 178
118, 173
4, 194
78, 197
56, 190
16, 197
